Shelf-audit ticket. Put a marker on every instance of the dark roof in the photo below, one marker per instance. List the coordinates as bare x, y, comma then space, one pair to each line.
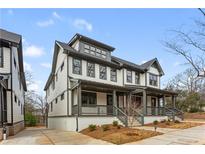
9, 36
127, 63
13, 38
91, 41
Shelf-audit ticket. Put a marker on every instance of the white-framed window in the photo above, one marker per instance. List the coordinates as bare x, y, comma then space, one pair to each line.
103, 72
62, 96
89, 98
95, 51
137, 78
129, 76
62, 66
153, 79
113, 75
77, 66
91, 69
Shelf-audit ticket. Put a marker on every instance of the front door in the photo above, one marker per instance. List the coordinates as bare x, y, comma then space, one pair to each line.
109, 104
153, 106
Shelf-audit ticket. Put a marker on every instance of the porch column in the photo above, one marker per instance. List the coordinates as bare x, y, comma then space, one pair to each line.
174, 101
114, 99
79, 99
163, 98
158, 105
144, 102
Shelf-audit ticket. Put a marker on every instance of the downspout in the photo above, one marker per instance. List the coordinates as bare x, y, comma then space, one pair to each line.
11, 68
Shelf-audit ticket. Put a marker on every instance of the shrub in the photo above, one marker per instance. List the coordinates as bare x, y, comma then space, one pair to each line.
105, 127
92, 127
30, 119
115, 123
177, 121
163, 121
193, 110
155, 122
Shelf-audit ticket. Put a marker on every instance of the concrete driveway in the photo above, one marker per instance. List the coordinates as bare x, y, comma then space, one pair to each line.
42, 136
194, 135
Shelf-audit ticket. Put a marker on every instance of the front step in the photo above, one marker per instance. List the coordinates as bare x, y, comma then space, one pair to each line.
132, 122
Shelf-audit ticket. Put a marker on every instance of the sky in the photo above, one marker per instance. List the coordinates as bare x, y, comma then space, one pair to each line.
137, 34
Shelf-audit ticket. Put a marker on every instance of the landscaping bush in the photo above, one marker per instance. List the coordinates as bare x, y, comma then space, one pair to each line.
30, 120
115, 123
105, 127
92, 127
155, 122
163, 121
193, 110
177, 121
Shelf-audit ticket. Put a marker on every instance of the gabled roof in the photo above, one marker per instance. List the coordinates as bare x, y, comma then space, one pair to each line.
78, 36
149, 63
13, 38
9, 36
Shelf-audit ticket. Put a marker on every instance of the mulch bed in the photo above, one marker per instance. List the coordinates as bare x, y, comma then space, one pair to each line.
171, 124
119, 136
199, 115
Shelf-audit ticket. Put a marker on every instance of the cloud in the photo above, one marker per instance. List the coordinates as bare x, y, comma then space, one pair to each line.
46, 65
45, 23
10, 12
27, 67
33, 51
142, 62
83, 24
56, 15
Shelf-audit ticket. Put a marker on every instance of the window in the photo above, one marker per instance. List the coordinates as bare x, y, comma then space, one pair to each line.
113, 75
88, 98
76, 66
153, 79
137, 78
90, 69
15, 62
103, 72
62, 96
62, 66
56, 101
53, 84
51, 106
56, 76
19, 103
95, 51
129, 76
15, 99
1, 57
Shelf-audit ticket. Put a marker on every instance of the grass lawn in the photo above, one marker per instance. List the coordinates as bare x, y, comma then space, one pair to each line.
119, 136
174, 125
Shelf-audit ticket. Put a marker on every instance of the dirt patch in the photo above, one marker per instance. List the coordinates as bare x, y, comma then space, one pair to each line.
199, 115
171, 124
119, 136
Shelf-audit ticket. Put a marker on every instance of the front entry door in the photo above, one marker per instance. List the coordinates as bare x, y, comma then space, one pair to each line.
153, 106
109, 104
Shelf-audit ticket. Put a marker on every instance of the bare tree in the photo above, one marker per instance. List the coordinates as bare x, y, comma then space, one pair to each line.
190, 45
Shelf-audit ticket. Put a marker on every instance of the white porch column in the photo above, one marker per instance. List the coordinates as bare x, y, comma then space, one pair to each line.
144, 102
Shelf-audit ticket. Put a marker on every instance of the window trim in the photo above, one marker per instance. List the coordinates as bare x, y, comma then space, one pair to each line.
89, 94
138, 78
2, 57
111, 69
127, 76
80, 66
87, 69
151, 74
105, 72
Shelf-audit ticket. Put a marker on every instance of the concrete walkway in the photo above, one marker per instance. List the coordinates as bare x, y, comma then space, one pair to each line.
194, 135
42, 136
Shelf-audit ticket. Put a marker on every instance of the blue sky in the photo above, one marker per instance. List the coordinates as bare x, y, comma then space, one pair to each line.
135, 33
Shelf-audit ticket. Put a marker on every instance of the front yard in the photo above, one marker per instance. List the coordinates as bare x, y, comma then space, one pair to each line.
118, 134
195, 116
174, 124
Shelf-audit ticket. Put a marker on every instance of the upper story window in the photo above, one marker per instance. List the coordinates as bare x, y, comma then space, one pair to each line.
1, 57
153, 79
113, 75
103, 72
95, 51
62, 96
62, 66
53, 84
51, 106
129, 76
90, 69
15, 62
77, 69
137, 78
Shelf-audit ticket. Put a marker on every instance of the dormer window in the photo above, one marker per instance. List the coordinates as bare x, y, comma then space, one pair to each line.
137, 78
129, 76
95, 51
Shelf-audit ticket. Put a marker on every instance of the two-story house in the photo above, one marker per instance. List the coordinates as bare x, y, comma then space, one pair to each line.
87, 85
12, 83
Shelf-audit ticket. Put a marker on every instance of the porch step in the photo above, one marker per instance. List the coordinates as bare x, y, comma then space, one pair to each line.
132, 122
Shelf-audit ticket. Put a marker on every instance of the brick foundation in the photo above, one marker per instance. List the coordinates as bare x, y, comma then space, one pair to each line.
17, 127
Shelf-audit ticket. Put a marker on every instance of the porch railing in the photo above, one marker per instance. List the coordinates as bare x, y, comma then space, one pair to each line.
155, 111
177, 112
137, 115
121, 115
